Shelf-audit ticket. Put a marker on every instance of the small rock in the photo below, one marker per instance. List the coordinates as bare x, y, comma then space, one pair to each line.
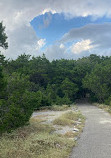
75, 138
75, 129
58, 146
79, 120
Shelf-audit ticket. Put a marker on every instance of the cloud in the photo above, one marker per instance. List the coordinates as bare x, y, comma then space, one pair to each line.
84, 45
24, 40
62, 46
18, 14
47, 11
55, 52
40, 44
100, 34
46, 20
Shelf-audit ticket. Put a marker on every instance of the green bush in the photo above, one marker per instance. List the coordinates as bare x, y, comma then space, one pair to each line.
37, 100
108, 101
17, 110
64, 100
15, 114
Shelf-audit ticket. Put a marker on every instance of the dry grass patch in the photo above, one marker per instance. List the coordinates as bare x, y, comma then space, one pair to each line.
38, 140
56, 107
34, 141
60, 108
62, 121
103, 106
71, 134
68, 119
71, 115
41, 145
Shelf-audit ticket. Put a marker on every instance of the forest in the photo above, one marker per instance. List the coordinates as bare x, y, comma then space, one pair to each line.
30, 83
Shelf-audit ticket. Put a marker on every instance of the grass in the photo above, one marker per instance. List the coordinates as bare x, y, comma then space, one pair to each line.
56, 107
34, 141
103, 106
41, 145
60, 108
38, 140
71, 134
68, 119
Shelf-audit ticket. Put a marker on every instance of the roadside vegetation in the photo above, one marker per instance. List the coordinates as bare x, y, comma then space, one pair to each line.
68, 118
39, 140
103, 106
56, 107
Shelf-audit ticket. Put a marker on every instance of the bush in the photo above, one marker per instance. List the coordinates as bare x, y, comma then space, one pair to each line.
17, 110
64, 100
38, 100
15, 114
108, 101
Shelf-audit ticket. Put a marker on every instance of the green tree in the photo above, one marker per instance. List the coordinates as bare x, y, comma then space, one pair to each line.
99, 81
69, 88
3, 37
4, 45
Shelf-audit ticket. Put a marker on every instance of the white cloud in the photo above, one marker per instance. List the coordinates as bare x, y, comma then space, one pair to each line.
84, 45
46, 21
24, 40
48, 10
62, 46
17, 14
98, 33
40, 43
55, 52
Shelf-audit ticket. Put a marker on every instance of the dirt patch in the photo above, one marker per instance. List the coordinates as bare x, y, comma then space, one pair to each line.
49, 116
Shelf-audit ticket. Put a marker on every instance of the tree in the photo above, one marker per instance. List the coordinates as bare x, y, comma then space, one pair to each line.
99, 81
3, 37
3, 44
2, 82
69, 88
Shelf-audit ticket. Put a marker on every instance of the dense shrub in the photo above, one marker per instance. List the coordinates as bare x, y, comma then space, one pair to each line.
15, 114
64, 100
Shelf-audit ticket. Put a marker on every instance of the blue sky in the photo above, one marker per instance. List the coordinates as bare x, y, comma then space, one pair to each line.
59, 28
53, 26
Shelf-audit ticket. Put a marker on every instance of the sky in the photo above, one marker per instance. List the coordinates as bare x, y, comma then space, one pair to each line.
60, 29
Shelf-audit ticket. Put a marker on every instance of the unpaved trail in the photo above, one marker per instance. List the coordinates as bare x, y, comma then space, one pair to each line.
49, 116
95, 141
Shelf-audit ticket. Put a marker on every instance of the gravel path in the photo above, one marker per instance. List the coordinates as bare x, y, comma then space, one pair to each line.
95, 141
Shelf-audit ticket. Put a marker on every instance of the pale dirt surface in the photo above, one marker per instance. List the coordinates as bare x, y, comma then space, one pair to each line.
50, 116
95, 141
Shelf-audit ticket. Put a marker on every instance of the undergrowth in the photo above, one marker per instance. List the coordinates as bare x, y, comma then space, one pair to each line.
34, 141
103, 106
68, 119
38, 140
56, 107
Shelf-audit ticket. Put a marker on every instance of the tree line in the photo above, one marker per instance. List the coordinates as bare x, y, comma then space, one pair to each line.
29, 83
